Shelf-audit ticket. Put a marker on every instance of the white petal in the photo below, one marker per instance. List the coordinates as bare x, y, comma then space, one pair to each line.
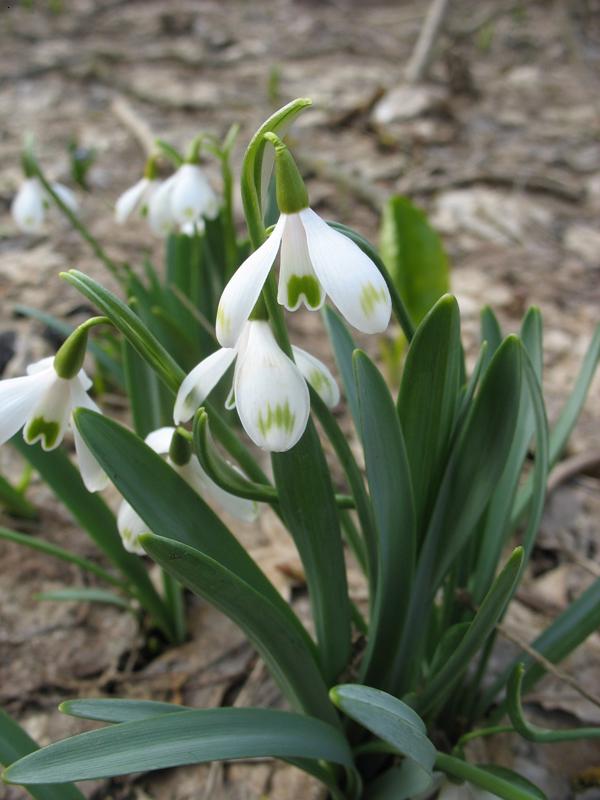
200, 382
318, 375
238, 507
193, 228
28, 209
160, 439
41, 365
271, 395
130, 200
18, 398
160, 217
66, 195
92, 474
192, 195
131, 526
48, 420
297, 280
242, 291
348, 276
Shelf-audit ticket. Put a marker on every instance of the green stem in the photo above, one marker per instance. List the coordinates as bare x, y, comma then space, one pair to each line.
117, 270
477, 734
457, 768
15, 501
174, 599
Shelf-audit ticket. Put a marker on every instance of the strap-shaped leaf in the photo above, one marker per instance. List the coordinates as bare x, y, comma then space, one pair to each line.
439, 688
414, 255
499, 781
491, 332
145, 392
286, 649
307, 504
190, 737
391, 495
428, 400
97, 519
85, 595
14, 744
116, 710
390, 719
166, 503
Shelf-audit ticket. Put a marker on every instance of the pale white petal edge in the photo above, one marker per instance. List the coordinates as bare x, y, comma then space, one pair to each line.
318, 375
198, 384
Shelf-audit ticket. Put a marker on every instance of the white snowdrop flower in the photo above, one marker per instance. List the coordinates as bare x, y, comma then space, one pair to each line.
183, 202
269, 389
315, 261
130, 524
32, 202
136, 198
42, 403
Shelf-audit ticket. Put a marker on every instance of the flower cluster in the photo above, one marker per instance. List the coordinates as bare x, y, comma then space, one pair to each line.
32, 203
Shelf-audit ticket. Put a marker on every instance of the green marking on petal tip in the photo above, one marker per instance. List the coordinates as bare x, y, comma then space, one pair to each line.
40, 428
370, 297
223, 320
306, 285
278, 417
319, 381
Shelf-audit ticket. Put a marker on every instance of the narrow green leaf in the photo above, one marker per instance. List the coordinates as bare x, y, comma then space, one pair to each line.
35, 543
116, 710
440, 686
428, 401
15, 501
414, 255
85, 595
97, 519
391, 495
143, 391
390, 719
307, 504
343, 348
491, 332
287, 651
190, 737
499, 781
14, 744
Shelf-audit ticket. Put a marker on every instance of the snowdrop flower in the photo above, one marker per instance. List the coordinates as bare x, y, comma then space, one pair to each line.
269, 390
182, 202
138, 196
42, 403
315, 261
30, 206
166, 441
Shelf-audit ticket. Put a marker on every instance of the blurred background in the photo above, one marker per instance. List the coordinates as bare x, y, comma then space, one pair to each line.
492, 127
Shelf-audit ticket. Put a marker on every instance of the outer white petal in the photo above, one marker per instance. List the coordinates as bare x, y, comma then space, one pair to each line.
130, 200
242, 291
18, 398
160, 217
297, 280
131, 526
28, 209
272, 398
200, 382
193, 228
192, 195
41, 365
48, 420
66, 195
348, 276
238, 507
160, 439
92, 474
318, 375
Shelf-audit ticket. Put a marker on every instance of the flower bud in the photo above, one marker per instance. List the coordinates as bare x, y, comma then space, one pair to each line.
291, 191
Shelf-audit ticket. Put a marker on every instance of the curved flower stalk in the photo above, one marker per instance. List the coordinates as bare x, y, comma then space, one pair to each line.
315, 261
166, 441
182, 202
32, 202
42, 403
269, 389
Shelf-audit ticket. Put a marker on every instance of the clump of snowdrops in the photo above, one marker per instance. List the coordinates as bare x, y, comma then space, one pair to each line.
380, 706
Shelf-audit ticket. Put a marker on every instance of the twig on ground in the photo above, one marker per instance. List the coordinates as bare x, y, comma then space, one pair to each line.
570, 467
421, 57
138, 127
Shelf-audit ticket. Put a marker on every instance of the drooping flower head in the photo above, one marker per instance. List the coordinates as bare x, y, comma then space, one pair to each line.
42, 403
138, 196
32, 202
185, 200
315, 261
269, 390
167, 441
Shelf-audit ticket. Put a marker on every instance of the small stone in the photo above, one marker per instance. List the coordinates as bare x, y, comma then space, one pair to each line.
408, 102
584, 241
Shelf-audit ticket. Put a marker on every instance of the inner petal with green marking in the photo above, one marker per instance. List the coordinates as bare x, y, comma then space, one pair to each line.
42, 429
303, 286
281, 416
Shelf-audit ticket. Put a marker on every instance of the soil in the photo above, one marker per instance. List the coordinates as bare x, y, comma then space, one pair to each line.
501, 146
